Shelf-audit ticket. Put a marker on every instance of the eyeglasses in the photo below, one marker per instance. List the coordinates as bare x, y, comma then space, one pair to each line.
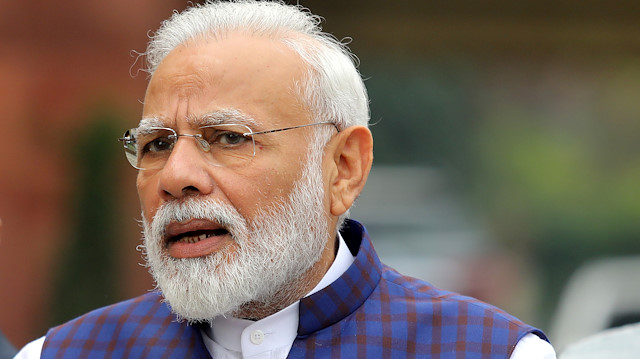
227, 145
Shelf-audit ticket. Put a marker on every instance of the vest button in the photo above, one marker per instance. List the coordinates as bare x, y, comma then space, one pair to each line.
257, 337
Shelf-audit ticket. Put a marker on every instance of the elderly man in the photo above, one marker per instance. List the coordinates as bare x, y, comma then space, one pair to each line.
252, 147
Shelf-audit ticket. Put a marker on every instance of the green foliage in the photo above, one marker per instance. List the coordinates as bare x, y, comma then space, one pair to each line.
86, 277
419, 114
562, 182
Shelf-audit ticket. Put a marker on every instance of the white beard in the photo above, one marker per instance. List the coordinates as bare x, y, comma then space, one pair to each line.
274, 249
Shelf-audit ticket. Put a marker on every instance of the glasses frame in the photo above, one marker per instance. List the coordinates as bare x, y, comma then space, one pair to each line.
204, 145
293, 127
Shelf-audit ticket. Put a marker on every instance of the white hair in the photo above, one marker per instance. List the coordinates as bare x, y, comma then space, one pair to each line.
332, 89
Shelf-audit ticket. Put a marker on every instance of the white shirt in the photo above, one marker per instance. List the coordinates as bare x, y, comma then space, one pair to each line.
272, 337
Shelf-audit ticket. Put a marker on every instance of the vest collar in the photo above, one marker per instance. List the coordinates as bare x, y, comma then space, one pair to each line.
333, 303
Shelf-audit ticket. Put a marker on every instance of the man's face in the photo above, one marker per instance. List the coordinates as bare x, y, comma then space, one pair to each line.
235, 249
252, 75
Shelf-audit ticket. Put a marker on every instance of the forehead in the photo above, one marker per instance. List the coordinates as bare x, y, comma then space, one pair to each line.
255, 76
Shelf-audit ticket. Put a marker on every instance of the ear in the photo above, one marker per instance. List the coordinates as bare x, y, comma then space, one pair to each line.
351, 162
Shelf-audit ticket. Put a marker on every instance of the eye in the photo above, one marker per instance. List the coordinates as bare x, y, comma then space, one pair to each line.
230, 138
227, 137
160, 144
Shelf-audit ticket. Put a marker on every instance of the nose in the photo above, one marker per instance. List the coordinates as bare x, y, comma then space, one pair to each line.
186, 172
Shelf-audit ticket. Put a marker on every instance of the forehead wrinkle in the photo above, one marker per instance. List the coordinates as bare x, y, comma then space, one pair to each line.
189, 81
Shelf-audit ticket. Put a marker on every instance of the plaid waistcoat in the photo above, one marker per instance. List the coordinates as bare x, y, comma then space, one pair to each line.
371, 311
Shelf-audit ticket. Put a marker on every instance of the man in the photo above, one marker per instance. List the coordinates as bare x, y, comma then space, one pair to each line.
252, 147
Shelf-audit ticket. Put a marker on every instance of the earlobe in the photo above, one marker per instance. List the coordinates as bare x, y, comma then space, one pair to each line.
352, 159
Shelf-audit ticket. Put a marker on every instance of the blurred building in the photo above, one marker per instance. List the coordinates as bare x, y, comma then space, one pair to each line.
58, 61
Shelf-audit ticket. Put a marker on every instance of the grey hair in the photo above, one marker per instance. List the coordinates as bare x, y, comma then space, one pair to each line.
332, 89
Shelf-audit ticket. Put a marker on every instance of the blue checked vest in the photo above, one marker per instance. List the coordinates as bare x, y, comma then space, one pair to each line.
371, 311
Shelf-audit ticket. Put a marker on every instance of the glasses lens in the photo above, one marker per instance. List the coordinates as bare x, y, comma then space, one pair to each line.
230, 147
223, 145
154, 146
130, 148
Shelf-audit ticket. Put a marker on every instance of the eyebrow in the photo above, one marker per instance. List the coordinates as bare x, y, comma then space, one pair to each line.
221, 117
147, 123
225, 116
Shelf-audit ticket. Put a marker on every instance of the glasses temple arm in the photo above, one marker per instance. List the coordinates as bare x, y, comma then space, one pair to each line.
291, 128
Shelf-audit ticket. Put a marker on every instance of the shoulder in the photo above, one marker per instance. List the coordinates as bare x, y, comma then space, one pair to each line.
448, 307
138, 306
140, 327
81, 326
111, 322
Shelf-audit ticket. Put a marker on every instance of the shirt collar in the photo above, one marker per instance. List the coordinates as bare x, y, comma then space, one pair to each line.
277, 331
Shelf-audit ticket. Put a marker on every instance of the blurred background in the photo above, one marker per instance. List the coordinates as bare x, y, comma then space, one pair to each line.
506, 153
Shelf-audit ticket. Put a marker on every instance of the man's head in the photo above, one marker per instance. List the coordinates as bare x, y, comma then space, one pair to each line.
249, 233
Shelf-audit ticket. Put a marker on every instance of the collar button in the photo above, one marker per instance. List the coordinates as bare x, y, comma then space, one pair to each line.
257, 337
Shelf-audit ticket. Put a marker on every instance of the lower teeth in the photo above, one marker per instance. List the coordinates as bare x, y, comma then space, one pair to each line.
193, 239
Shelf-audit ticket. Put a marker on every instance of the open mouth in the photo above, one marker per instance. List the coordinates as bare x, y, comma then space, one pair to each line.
196, 236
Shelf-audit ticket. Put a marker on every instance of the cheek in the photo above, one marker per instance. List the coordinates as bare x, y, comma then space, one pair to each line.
149, 200
250, 192
258, 190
